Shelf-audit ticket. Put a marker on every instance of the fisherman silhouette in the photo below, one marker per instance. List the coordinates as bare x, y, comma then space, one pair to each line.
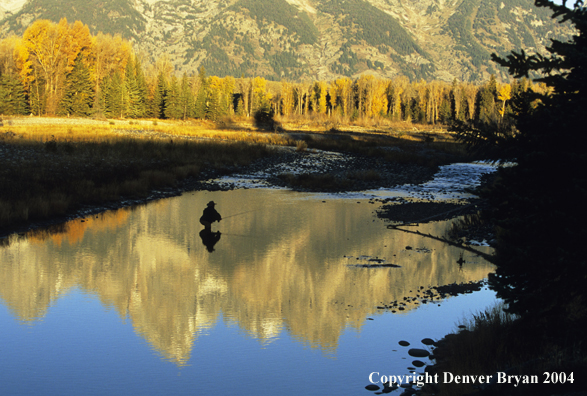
209, 239
210, 216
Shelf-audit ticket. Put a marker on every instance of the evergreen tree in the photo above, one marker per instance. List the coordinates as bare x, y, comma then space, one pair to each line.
240, 107
486, 110
201, 105
78, 97
541, 267
173, 107
228, 95
113, 95
142, 89
185, 98
157, 108
132, 100
213, 109
13, 98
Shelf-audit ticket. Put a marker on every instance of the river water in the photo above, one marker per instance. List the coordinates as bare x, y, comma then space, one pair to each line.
284, 300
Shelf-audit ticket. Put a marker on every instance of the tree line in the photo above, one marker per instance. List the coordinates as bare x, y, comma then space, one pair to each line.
61, 69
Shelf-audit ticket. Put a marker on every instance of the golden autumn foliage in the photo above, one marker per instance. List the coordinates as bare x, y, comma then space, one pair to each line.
108, 55
48, 53
344, 90
44, 58
504, 94
287, 98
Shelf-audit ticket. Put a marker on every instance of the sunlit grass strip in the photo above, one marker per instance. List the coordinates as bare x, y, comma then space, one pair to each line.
101, 133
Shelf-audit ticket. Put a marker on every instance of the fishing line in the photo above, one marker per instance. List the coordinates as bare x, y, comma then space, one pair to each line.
242, 213
238, 235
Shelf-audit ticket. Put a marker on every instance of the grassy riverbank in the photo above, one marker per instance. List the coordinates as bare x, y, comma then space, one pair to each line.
50, 170
50, 166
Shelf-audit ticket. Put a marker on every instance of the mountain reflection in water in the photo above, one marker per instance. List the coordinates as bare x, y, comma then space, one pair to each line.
285, 262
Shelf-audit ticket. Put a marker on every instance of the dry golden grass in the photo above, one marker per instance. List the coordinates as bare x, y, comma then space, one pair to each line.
51, 169
382, 126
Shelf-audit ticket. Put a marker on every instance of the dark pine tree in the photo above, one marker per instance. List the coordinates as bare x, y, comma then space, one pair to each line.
78, 97
173, 108
159, 100
131, 99
541, 266
13, 99
113, 94
142, 89
201, 105
186, 98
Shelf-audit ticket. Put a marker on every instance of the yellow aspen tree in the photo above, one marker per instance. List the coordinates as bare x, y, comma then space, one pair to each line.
287, 98
8, 64
379, 98
395, 92
81, 42
364, 94
457, 99
260, 97
24, 64
108, 55
53, 50
320, 92
504, 94
299, 98
434, 97
470, 93
345, 93
333, 92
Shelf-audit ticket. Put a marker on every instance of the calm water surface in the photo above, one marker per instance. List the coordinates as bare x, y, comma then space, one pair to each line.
134, 302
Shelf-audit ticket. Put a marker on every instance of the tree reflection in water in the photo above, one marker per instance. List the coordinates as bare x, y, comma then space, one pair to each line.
282, 264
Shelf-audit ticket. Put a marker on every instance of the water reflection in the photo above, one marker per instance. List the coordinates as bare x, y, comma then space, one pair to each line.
281, 262
209, 238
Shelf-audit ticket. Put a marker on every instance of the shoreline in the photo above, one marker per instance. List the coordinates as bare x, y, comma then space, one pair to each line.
52, 169
391, 210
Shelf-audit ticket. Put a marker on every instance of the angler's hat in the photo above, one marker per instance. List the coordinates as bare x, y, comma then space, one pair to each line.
211, 203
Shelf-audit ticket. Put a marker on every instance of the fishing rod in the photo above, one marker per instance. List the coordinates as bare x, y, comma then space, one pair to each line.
242, 213
238, 235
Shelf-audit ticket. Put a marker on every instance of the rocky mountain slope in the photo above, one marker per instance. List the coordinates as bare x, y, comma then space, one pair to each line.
311, 39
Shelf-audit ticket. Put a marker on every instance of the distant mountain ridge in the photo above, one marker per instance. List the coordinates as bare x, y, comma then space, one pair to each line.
311, 39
